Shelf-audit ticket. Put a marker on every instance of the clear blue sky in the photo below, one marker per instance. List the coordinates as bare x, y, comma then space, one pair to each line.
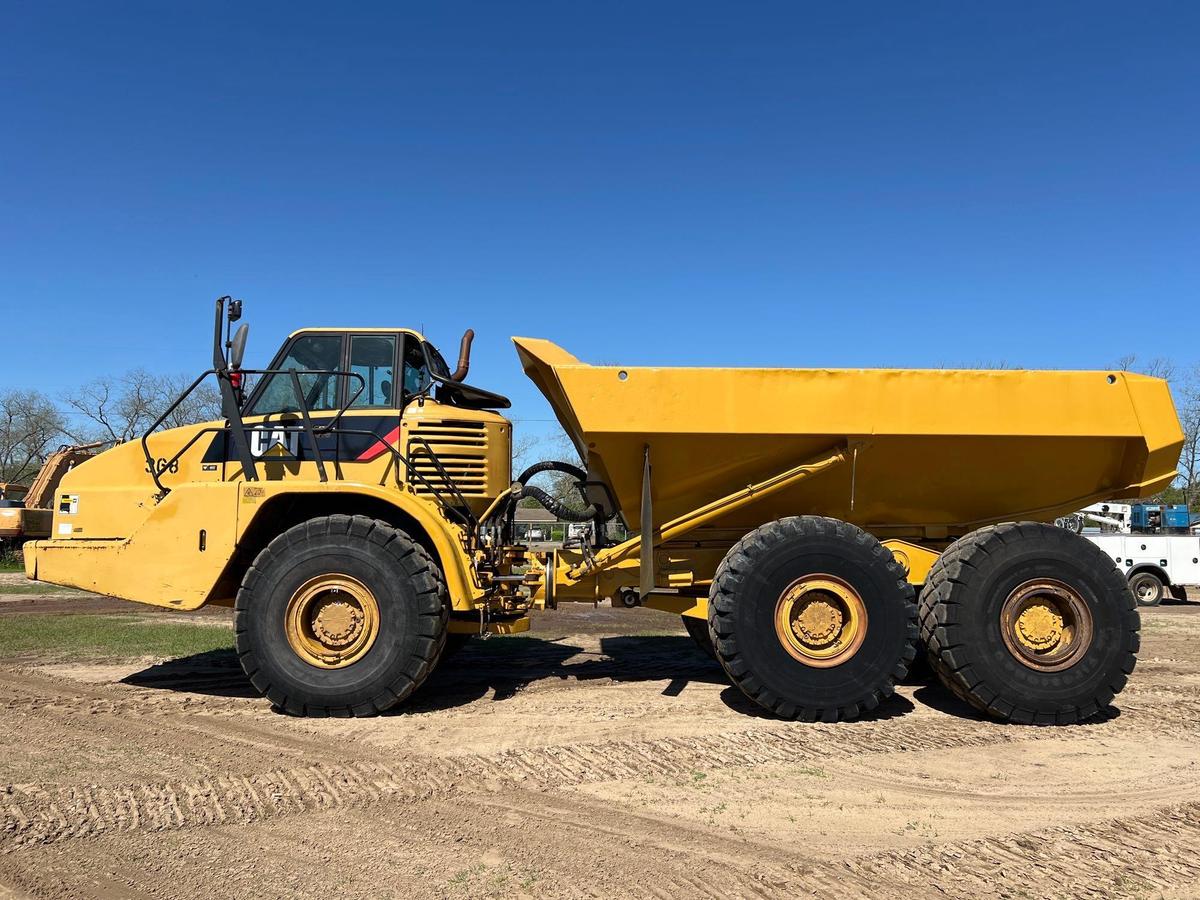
891, 184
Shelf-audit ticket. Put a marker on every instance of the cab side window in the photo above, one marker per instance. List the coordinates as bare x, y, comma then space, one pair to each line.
318, 353
373, 358
416, 370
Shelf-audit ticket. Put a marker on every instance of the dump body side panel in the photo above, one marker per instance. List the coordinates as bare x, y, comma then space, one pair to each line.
938, 451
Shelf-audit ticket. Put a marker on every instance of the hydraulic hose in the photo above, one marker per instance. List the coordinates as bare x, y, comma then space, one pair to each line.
553, 465
591, 513
559, 508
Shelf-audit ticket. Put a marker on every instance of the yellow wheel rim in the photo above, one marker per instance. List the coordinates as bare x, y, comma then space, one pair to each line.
331, 621
821, 621
1046, 625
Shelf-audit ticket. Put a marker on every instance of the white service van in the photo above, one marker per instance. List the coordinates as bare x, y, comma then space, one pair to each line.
1154, 563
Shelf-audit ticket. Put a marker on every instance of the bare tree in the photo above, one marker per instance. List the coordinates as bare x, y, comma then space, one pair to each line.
1158, 367
123, 408
1188, 399
559, 485
524, 449
30, 425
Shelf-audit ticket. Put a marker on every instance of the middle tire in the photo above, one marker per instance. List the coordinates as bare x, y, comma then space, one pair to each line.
813, 618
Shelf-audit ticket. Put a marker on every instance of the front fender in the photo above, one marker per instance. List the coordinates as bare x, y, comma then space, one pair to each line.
255, 499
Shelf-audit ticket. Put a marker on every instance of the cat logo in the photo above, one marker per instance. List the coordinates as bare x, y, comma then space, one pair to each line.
275, 443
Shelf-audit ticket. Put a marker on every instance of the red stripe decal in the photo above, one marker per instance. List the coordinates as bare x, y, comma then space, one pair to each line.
379, 446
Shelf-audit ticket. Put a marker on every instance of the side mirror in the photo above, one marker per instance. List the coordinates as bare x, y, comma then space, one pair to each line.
237, 347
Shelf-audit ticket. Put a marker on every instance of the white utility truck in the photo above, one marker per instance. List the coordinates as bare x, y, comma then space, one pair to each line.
1154, 563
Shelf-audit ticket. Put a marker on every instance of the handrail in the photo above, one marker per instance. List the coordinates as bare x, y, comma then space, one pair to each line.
151, 465
441, 470
466, 519
308, 426
155, 470
462, 512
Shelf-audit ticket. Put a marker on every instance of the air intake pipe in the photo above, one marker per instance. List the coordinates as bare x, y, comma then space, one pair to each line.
464, 356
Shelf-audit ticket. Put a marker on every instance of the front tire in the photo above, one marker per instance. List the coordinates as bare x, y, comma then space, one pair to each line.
340, 615
813, 619
1030, 623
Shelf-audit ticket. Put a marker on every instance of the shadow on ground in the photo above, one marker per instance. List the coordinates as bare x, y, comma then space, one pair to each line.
500, 668
937, 697
216, 673
503, 667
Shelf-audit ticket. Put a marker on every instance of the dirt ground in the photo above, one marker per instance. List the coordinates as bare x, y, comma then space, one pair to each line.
602, 756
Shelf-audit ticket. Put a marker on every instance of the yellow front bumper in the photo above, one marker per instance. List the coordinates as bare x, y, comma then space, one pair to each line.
30, 552
119, 568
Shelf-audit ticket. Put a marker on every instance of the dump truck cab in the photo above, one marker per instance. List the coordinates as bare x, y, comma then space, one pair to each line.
396, 391
342, 421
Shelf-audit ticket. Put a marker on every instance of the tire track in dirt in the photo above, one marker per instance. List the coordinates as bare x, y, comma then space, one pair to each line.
673, 858
1136, 855
33, 813
1126, 856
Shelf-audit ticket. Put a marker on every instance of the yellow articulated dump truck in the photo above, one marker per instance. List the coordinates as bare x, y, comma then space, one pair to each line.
812, 526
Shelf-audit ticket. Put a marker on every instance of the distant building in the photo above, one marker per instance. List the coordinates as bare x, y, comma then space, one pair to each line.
534, 525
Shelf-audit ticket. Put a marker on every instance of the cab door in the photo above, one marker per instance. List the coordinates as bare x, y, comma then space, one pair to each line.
373, 397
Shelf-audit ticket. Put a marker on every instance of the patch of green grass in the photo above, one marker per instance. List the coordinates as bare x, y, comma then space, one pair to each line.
107, 637
35, 588
11, 561
656, 632
528, 881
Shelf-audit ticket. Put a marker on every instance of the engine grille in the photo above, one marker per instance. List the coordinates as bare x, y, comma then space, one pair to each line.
461, 447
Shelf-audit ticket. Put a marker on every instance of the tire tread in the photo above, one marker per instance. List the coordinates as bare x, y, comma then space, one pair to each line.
731, 575
412, 561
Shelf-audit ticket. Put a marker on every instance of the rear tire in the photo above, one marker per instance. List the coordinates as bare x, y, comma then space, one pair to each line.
697, 629
1147, 588
1079, 644
302, 643
783, 608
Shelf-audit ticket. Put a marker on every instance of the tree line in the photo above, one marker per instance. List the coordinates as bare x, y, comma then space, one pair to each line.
113, 409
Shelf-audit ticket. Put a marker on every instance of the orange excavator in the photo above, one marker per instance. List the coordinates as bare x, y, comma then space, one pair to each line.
26, 513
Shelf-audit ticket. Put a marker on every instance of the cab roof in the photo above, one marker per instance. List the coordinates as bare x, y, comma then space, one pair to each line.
411, 331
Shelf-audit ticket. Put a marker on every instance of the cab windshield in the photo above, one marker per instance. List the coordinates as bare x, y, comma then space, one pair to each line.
320, 355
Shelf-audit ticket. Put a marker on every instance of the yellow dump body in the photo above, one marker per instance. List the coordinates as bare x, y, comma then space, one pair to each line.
939, 452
